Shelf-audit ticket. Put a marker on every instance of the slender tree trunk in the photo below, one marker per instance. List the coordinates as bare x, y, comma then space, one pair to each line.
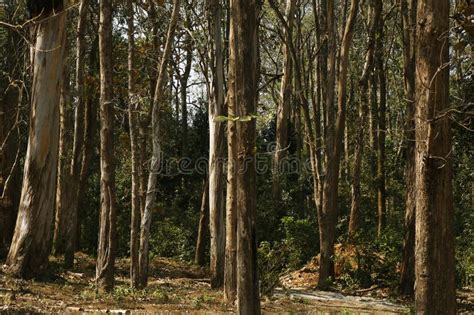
381, 124
106, 251
199, 255
407, 273
435, 291
230, 271
283, 107
184, 91
242, 99
63, 194
133, 110
67, 206
374, 16
216, 147
156, 142
328, 214
31, 245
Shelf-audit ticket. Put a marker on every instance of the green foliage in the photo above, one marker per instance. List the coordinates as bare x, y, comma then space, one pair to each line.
298, 245
171, 240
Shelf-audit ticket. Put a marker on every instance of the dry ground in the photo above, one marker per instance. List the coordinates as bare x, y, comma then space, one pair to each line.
174, 287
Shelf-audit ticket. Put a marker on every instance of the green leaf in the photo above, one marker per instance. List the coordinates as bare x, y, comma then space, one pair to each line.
221, 118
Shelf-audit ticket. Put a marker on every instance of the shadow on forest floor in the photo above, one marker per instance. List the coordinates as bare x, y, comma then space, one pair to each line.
174, 288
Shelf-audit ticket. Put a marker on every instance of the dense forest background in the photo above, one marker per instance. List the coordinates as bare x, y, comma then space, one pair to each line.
376, 139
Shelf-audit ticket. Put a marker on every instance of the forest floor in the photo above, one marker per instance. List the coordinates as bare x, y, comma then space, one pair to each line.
174, 288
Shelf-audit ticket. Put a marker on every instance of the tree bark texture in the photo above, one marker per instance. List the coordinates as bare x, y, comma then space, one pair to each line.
216, 147
242, 99
31, 245
434, 246
106, 250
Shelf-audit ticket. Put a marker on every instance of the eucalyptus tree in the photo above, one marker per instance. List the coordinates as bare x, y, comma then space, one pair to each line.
31, 245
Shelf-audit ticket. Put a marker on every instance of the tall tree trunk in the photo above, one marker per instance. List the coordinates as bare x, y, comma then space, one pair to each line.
435, 291
106, 251
242, 100
188, 46
374, 16
31, 245
381, 124
230, 270
407, 272
199, 254
133, 112
156, 154
67, 207
327, 216
63, 194
216, 147
283, 107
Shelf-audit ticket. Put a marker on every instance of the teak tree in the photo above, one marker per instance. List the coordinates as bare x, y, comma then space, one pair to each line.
106, 249
435, 290
242, 99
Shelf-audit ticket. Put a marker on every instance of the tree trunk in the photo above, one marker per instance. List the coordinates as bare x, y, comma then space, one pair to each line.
230, 270
242, 99
374, 16
133, 112
156, 143
31, 245
199, 255
435, 291
407, 272
63, 194
381, 124
283, 107
105, 266
328, 214
66, 213
216, 147
188, 45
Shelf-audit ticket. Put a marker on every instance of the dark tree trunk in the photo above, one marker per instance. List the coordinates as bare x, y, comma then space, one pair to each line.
242, 100
106, 250
407, 273
435, 291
